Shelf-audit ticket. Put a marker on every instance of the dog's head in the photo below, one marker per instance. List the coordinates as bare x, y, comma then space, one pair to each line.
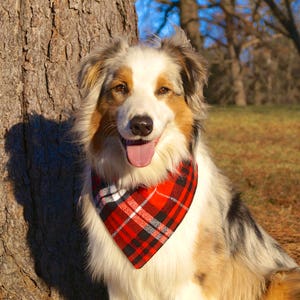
142, 108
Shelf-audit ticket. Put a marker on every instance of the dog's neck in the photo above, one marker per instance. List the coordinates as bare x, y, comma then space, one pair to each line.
162, 177
119, 172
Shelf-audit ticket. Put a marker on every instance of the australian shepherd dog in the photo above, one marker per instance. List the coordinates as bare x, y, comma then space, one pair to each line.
162, 221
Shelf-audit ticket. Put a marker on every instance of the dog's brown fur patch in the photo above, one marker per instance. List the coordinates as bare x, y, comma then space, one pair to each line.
177, 103
123, 75
284, 285
103, 120
183, 115
92, 75
163, 81
106, 127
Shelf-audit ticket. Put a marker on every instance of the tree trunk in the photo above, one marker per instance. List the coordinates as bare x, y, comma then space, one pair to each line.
233, 52
237, 78
41, 43
189, 21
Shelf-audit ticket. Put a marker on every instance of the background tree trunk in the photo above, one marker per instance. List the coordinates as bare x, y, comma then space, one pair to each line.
189, 21
237, 78
41, 43
233, 52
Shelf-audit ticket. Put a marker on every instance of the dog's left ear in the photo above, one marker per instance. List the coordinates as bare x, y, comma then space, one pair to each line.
193, 73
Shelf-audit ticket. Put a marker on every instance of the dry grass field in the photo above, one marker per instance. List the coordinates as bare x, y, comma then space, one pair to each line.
258, 148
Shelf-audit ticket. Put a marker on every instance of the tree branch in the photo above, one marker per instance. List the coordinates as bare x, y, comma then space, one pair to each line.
211, 5
169, 2
165, 20
277, 28
287, 22
248, 25
277, 12
220, 43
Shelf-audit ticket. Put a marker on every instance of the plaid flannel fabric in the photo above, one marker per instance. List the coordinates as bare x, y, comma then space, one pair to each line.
142, 220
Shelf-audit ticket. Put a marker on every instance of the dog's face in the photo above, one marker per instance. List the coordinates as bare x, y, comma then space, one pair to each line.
142, 107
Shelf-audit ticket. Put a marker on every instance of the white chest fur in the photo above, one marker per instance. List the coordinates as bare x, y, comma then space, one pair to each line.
170, 272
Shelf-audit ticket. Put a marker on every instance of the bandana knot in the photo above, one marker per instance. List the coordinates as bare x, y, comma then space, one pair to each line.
141, 220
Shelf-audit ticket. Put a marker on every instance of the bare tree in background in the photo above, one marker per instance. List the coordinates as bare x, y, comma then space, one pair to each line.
287, 25
42, 41
189, 21
234, 48
275, 72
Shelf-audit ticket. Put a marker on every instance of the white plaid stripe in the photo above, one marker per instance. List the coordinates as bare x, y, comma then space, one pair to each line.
107, 195
174, 200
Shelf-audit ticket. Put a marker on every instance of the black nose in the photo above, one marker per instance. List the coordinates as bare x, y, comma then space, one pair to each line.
141, 125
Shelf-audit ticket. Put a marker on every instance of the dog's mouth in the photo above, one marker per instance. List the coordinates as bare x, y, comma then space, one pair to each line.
139, 152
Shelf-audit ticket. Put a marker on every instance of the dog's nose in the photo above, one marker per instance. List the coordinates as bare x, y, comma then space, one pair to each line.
141, 125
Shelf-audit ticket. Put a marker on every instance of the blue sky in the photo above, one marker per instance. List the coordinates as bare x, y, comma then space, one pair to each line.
151, 15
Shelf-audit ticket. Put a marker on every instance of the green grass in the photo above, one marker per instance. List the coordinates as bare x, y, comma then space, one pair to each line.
258, 149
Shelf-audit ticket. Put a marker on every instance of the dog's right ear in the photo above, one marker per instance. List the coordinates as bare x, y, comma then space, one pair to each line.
95, 66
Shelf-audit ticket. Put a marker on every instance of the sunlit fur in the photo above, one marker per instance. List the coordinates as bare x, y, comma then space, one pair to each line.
218, 251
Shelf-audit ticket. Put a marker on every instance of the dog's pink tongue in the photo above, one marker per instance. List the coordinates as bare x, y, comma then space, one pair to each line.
140, 155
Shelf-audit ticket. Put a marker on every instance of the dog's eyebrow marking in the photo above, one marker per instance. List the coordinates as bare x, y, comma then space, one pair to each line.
164, 81
123, 75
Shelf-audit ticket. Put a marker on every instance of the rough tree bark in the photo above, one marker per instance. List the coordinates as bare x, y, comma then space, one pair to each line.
41, 43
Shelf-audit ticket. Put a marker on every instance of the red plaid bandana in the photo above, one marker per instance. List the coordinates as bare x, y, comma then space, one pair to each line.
142, 220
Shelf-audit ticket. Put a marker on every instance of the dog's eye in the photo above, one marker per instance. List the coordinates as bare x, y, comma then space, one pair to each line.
121, 88
163, 90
